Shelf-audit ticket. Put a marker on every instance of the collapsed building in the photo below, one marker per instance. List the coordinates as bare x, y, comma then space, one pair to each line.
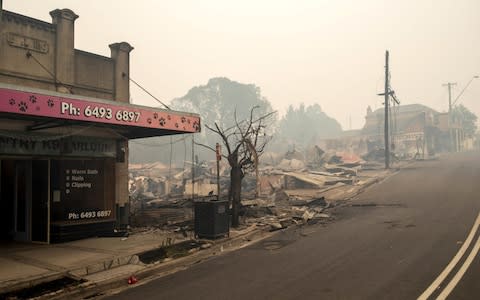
292, 190
294, 179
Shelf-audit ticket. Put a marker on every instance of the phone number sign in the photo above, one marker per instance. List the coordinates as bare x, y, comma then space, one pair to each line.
34, 104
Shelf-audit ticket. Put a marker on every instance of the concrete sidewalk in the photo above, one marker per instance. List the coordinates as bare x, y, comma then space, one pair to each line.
93, 260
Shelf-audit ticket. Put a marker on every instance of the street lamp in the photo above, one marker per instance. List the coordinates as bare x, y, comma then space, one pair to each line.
466, 86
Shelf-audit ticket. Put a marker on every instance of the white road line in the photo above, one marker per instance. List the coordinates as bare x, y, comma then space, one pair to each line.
460, 272
435, 284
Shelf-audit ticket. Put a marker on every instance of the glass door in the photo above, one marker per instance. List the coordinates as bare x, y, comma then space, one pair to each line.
22, 198
40, 200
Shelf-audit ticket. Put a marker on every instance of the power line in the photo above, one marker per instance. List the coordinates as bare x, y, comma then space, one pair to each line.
143, 89
466, 86
30, 55
159, 145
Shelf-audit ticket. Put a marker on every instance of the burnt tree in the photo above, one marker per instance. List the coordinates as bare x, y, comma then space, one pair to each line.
245, 142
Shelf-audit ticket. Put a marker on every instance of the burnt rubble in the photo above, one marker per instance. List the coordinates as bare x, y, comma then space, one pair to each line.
292, 189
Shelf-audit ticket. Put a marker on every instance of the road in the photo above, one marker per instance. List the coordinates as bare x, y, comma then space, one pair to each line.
391, 242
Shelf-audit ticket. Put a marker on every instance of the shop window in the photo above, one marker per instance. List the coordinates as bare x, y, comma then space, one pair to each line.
82, 189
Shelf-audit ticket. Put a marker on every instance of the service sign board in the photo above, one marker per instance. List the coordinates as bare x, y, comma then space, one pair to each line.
109, 112
82, 190
53, 146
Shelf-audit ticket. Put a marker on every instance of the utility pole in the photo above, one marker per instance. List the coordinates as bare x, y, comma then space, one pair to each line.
450, 132
387, 94
449, 85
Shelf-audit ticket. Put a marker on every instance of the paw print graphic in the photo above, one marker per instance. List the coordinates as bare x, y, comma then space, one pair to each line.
149, 120
12, 101
169, 117
188, 121
155, 116
196, 126
176, 125
162, 122
50, 103
23, 106
184, 119
33, 99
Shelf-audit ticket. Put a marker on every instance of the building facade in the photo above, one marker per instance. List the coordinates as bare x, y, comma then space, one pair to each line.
415, 131
65, 122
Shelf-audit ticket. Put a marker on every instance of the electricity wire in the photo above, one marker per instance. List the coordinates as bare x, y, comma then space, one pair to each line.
71, 133
160, 144
145, 90
30, 55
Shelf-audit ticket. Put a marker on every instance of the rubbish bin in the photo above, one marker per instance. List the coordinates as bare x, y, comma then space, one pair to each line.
211, 219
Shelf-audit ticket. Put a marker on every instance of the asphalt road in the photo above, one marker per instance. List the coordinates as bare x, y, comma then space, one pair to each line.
390, 243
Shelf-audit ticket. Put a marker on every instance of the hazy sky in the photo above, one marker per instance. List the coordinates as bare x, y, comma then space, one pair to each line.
326, 52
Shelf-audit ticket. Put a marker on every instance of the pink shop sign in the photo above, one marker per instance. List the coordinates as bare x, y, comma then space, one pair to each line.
34, 104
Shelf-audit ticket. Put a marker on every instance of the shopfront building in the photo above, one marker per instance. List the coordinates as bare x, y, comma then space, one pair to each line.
65, 122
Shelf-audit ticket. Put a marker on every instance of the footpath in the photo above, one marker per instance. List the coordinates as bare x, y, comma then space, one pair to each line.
89, 267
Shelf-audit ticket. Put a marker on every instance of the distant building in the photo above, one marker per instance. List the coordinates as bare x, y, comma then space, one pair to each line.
412, 129
452, 137
415, 130
65, 122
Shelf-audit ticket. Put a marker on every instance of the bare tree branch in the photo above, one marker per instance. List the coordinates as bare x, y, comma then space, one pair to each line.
205, 146
224, 138
245, 137
214, 130
257, 133
209, 148
250, 123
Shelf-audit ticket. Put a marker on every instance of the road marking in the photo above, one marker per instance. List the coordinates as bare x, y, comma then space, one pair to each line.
460, 272
435, 284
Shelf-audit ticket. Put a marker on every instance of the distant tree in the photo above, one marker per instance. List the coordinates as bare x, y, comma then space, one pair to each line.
304, 124
467, 119
219, 100
215, 102
245, 142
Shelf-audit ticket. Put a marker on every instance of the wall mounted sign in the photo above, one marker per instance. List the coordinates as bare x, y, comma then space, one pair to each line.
46, 145
108, 112
85, 189
26, 42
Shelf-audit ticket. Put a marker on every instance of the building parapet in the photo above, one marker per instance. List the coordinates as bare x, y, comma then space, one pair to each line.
9, 16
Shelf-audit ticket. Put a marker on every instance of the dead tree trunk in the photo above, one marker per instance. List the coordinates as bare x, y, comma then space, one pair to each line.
236, 176
248, 140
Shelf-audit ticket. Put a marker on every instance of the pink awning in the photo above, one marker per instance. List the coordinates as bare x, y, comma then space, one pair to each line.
140, 121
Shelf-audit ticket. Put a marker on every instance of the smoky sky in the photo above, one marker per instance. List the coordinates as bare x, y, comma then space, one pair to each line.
310, 51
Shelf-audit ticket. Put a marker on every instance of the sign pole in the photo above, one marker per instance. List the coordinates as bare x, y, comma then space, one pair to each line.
218, 151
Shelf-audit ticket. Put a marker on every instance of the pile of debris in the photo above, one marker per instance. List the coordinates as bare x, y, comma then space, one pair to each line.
281, 214
292, 192
289, 192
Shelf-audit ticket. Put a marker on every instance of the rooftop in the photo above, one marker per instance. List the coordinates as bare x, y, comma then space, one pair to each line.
408, 108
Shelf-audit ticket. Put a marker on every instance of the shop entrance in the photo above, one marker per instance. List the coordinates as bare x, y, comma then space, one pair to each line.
24, 200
